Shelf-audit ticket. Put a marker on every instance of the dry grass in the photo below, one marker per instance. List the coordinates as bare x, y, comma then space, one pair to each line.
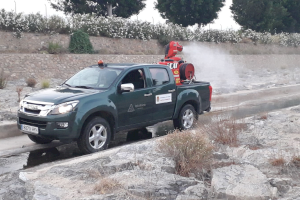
224, 130
106, 186
3, 79
93, 173
263, 116
277, 161
190, 150
223, 164
45, 84
19, 90
296, 161
55, 48
254, 147
31, 82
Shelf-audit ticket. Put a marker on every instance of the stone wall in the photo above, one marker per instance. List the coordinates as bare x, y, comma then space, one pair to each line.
45, 66
38, 43
27, 57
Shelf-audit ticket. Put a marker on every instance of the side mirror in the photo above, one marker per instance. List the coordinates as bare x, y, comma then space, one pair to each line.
127, 87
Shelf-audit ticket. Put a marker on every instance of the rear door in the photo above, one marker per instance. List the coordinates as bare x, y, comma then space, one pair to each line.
164, 92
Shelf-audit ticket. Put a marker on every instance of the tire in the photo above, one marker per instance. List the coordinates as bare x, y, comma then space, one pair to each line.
186, 118
95, 136
208, 109
39, 140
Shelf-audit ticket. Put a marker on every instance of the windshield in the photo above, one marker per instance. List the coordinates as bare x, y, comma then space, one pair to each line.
93, 77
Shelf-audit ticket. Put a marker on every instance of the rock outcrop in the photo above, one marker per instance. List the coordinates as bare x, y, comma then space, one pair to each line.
241, 182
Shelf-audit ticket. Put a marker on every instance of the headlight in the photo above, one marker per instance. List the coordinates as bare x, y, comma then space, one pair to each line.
64, 108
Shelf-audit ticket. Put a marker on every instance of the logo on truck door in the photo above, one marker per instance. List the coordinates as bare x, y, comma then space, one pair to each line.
131, 108
163, 98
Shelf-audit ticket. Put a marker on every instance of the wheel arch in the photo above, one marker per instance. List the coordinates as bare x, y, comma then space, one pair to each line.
188, 96
194, 103
108, 116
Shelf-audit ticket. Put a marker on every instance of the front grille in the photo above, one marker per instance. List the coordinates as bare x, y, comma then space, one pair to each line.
32, 111
36, 107
35, 123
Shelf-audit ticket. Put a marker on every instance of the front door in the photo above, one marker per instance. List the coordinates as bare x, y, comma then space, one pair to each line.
135, 107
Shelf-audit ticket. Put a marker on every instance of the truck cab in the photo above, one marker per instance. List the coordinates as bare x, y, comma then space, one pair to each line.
103, 99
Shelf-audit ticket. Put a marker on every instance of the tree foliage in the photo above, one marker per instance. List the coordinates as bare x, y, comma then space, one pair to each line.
189, 12
267, 15
120, 8
293, 8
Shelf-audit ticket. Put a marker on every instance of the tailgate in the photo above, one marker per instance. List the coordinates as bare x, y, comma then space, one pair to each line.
203, 88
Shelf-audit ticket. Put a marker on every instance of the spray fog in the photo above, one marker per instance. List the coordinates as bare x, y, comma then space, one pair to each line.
212, 65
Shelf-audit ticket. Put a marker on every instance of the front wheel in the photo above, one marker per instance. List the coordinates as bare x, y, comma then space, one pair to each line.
39, 140
186, 118
95, 136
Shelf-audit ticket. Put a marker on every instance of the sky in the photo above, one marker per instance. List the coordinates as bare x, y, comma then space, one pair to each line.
224, 21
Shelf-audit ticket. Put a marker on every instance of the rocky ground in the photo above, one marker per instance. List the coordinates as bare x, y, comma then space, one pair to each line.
264, 164
267, 161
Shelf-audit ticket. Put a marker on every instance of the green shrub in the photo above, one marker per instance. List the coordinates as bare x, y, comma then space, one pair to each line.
54, 48
57, 24
36, 23
164, 40
45, 84
80, 43
3, 79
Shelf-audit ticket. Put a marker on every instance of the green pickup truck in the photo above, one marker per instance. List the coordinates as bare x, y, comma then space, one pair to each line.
99, 101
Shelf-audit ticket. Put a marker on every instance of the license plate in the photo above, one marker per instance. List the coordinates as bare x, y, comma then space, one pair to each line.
30, 129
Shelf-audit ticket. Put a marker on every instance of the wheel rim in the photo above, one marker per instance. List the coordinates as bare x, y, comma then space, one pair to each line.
97, 136
188, 119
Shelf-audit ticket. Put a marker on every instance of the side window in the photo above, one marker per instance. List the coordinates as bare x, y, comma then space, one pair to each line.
136, 77
159, 76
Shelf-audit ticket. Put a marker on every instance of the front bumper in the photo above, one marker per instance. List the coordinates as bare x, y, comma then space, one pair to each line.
47, 125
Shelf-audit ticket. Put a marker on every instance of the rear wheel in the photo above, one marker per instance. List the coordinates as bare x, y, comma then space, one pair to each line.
39, 140
186, 118
95, 136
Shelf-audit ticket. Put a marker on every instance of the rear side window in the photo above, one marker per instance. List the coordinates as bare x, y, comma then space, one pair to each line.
159, 76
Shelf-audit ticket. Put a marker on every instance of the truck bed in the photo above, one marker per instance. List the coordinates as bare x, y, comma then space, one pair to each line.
203, 89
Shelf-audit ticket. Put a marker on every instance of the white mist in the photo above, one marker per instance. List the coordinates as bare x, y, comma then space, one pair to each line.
212, 65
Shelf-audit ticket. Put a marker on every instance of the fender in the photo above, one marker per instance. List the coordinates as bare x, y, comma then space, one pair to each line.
186, 96
94, 106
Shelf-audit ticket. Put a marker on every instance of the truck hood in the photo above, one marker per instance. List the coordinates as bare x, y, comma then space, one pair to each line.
60, 95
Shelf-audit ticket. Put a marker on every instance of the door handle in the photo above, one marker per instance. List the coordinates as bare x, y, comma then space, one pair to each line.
171, 90
148, 95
